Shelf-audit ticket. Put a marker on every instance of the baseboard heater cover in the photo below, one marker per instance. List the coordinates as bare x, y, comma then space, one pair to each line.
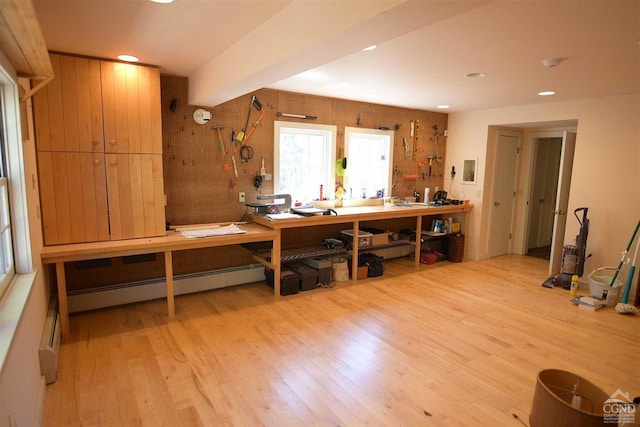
128, 293
50, 343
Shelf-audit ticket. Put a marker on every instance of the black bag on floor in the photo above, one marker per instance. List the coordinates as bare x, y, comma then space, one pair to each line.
374, 264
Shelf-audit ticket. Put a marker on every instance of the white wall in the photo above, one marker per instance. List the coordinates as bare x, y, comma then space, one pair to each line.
605, 175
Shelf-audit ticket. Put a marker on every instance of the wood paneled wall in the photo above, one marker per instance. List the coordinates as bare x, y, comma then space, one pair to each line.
199, 180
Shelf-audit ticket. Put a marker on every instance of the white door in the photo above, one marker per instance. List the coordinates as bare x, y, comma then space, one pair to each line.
503, 195
562, 201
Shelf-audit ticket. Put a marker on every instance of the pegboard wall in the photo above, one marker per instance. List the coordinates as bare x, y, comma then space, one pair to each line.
199, 178
200, 182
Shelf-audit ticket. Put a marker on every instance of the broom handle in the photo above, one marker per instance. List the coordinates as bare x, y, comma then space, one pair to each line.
615, 276
632, 270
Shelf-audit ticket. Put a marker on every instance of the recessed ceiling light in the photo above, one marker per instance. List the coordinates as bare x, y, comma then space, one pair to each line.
128, 58
443, 107
367, 49
546, 93
477, 74
162, 1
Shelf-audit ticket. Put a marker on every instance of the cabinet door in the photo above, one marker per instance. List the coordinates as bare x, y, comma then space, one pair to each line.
68, 111
131, 105
73, 197
136, 195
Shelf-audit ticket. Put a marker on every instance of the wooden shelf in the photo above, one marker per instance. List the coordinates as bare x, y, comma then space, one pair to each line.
312, 251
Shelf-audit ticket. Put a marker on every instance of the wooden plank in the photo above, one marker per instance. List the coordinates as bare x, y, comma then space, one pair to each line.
48, 198
55, 107
168, 267
83, 104
125, 190
121, 108
75, 197
137, 201
148, 195
41, 120
155, 113
173, 241
95, 89
88, 197
133, 117
22, 40
158, 195
69, 103
61, 191
100, 190
62, 299
108, 107
113, 194
144, 109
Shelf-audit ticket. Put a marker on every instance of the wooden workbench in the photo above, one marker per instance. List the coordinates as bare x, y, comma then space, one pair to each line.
357, 215
173, 241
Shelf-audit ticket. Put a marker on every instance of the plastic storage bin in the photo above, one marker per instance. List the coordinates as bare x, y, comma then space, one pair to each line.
308, 275
323, 266
289, 280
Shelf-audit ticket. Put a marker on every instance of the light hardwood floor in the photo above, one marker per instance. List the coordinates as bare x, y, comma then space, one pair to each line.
452, 344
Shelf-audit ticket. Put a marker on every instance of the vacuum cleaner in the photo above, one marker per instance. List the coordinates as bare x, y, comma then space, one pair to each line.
573, 256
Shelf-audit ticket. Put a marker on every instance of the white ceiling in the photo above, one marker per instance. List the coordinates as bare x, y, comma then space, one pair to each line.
425, 48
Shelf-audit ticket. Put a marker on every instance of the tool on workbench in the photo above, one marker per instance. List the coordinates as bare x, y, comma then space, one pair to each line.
218, 128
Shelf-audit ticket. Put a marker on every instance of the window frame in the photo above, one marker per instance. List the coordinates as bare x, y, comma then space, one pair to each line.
16, 182
348, 131
331, 130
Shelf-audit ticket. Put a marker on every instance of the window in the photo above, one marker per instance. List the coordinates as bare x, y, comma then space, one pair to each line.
7, 270
369, 159
304, 160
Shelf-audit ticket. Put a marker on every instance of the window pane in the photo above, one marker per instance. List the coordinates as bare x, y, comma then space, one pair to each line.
369, 162
304, 160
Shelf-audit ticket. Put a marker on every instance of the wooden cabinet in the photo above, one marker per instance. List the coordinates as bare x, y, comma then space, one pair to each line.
99, 144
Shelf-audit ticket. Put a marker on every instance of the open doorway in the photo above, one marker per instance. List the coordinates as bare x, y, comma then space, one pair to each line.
544, 187
535, 224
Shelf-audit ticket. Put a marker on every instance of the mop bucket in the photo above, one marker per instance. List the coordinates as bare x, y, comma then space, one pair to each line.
599, 281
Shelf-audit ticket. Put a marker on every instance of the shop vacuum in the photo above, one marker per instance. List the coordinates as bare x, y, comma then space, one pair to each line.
573, 256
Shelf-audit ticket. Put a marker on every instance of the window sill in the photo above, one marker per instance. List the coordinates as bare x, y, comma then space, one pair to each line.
11, 308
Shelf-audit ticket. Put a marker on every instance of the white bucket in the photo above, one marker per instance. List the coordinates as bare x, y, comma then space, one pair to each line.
599, 282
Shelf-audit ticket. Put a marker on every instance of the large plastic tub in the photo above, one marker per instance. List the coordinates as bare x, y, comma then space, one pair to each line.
599, 281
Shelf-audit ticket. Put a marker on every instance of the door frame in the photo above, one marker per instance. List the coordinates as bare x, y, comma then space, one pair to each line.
535, 141
520, 138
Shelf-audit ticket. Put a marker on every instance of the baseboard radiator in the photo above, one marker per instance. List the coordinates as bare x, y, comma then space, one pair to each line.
128, 293
50, 343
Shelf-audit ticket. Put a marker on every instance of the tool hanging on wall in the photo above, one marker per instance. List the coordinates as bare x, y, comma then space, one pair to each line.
235, 166
430, 165
435, 137
243, 136
297, 116
415, 138
246, 153
405, 144
218, 128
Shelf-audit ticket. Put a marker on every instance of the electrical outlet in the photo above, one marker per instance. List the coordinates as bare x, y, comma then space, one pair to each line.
242, 197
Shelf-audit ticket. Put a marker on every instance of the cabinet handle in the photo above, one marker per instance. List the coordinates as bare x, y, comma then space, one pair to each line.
94, 142
96, 162
112, 142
